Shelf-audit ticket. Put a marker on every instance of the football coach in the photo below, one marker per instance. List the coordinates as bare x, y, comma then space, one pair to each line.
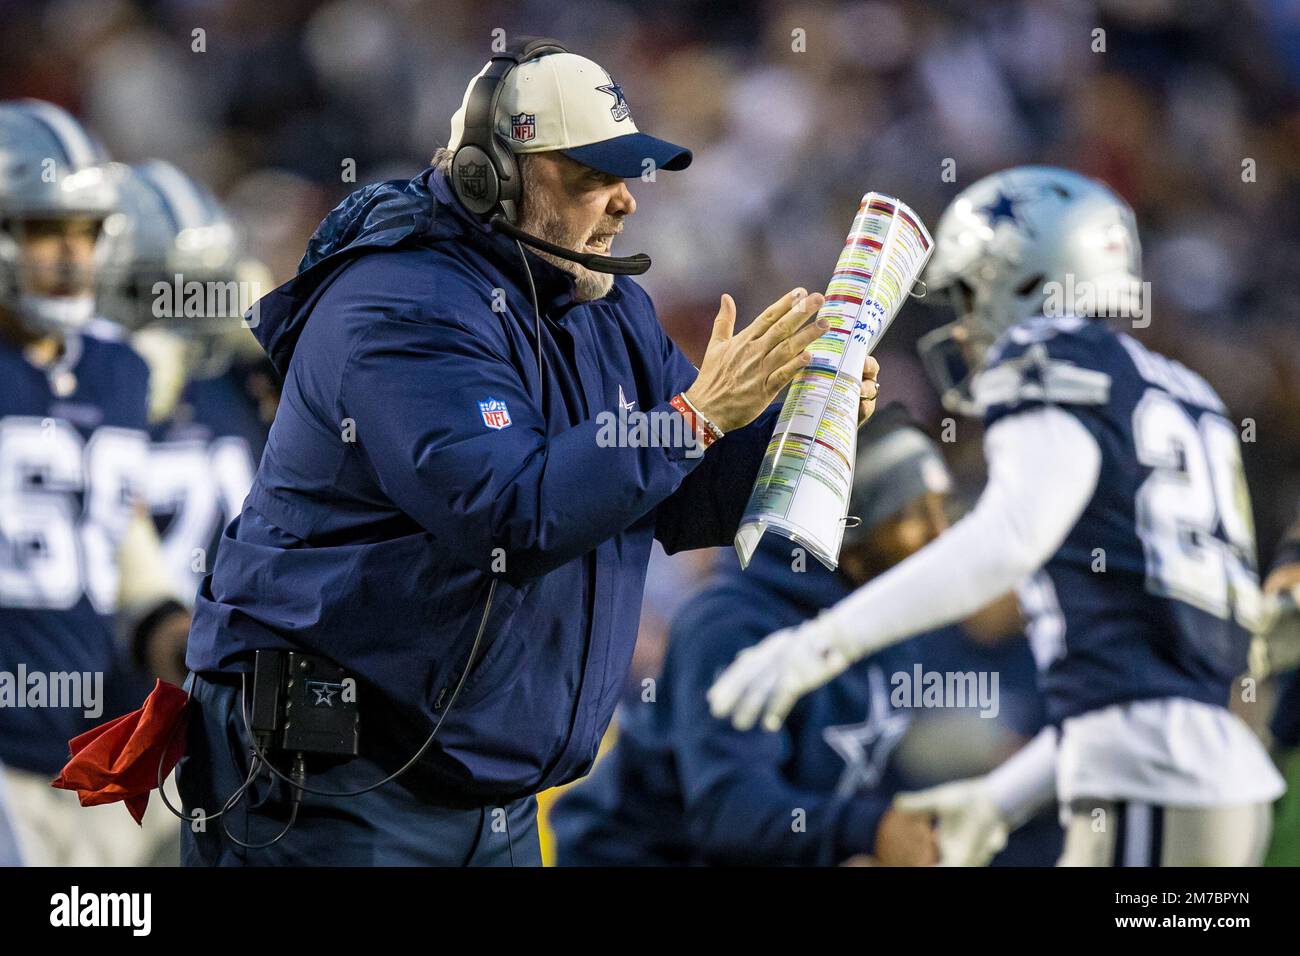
426, 610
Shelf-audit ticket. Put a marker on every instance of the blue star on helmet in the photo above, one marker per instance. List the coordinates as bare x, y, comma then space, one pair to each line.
620, 110
1004, 207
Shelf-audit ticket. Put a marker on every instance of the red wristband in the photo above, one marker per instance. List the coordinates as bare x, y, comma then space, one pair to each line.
703, 434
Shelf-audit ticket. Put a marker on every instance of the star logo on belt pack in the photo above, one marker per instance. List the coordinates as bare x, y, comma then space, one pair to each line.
323, 692
523, 127
495, 413
620, 110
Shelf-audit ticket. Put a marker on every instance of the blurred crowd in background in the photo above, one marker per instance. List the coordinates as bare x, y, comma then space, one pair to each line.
1188, 108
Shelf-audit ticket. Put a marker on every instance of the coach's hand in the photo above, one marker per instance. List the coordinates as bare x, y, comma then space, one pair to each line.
743, 371
870, 390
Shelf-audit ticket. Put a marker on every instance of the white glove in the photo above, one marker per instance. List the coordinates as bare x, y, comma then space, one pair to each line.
769, 677
971, 829
1276, 647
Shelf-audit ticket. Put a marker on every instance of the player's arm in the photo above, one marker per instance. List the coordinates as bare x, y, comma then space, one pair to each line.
1043, 469
152, 622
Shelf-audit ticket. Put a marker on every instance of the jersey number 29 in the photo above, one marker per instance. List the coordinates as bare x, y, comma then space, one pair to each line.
1193, 511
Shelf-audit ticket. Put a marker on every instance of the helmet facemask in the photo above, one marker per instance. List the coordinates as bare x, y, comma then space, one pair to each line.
953, 354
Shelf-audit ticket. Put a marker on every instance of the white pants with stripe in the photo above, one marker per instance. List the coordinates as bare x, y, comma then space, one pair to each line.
1134, 833
1167, 782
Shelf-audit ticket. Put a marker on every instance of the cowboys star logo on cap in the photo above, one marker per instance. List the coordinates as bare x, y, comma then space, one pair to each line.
523, 127
620, 110
567, 103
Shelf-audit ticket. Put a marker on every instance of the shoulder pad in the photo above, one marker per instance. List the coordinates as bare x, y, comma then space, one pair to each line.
1035, 375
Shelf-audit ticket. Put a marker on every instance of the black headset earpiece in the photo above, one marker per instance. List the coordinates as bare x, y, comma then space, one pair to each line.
484, 171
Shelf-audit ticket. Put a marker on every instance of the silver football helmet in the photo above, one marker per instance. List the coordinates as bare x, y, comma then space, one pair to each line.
1028, 241
52, 174
176, 264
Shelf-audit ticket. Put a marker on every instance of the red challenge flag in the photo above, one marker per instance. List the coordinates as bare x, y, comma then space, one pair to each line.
119, 760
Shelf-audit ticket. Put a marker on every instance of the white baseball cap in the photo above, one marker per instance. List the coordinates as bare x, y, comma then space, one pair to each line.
568, 103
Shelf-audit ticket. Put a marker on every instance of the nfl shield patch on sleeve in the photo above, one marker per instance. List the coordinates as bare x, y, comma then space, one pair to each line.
495, 413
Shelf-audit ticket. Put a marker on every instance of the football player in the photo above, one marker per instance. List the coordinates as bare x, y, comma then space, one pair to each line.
78, 559
176, 278
1116, 502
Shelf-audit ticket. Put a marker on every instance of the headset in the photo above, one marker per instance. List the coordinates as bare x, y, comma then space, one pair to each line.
485, 173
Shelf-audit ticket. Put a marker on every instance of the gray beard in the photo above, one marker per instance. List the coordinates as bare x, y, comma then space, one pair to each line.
539, 217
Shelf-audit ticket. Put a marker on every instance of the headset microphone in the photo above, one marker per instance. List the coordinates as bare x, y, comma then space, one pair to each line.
613, 265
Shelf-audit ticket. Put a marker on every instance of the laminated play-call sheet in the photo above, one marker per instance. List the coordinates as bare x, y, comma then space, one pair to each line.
802, 489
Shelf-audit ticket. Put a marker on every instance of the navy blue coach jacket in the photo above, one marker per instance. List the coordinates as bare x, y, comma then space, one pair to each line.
415, 449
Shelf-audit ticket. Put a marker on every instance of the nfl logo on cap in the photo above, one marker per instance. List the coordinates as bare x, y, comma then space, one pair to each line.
523, 126
495, 413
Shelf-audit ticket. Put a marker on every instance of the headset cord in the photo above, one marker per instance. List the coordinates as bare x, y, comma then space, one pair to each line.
464, 675
537, 325
230, 801
254, 768
298, 782
300, 775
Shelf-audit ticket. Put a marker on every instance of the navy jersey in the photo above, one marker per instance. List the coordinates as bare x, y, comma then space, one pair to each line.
202, 466
70, 472
1154, 588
